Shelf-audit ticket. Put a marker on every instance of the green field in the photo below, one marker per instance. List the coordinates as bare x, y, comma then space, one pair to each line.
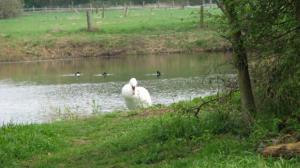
156, 137
139, 21
143, 31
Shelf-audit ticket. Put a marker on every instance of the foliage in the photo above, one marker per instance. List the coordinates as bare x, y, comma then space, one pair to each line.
277, 41
274, 51
121, 140
10, 8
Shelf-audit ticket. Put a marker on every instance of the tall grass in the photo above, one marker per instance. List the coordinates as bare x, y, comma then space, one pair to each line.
170, 139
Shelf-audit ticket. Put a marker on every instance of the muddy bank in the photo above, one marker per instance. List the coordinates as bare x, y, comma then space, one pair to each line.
64, 48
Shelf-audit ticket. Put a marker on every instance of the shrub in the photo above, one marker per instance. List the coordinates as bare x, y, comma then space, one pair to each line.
10, 8
277, 82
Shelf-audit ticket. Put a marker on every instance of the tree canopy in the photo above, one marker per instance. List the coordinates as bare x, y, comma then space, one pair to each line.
268, 32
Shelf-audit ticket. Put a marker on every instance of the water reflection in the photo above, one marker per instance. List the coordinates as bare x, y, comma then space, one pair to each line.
36, 92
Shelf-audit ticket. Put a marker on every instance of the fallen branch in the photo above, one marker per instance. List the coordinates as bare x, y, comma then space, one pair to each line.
285, 150
212, 100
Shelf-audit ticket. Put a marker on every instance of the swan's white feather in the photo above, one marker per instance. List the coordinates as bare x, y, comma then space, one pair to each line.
140, 98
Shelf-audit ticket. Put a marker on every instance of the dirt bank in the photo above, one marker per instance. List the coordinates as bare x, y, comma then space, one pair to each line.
60, 48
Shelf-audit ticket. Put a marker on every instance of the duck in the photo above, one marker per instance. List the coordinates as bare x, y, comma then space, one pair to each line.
158, 73
104, 74
135, 96
77, 74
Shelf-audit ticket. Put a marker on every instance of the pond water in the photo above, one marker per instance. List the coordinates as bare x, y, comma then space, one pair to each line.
35, 92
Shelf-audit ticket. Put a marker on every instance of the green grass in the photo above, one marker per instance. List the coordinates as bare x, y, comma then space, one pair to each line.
147, 138
36, 36
138, 21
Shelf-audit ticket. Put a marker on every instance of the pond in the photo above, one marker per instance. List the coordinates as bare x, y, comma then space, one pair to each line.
36, 92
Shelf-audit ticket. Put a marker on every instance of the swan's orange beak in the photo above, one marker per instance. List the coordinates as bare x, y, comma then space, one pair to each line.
133, 88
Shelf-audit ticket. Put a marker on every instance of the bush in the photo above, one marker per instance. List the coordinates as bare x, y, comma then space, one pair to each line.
278, 85
10, 8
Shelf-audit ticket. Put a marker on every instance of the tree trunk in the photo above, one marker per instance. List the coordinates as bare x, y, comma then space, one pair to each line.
241, 64
240, 61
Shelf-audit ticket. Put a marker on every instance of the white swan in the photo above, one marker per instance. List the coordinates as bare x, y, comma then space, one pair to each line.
135, 96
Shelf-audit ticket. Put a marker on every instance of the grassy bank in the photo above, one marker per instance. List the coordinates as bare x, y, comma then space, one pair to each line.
156, 137
63, 35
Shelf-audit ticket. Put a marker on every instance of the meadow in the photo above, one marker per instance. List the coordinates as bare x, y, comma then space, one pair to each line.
160, 136
35, 25
38, 35
155, 137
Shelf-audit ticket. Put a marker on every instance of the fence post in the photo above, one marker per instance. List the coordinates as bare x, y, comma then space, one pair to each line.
91, 8
157, 3
125, 10
89, 20
97, 8
143, 5
173, 4
103, 9
202, 14
79, 8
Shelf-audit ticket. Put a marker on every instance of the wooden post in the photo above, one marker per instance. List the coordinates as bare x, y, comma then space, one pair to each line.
173, 4
125, 10
202, 14
143, 4
33, 9
103, 9
97, 9
157, 3
89, 20
91, 7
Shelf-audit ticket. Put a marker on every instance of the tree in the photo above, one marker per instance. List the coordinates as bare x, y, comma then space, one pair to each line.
270, 29
277, 41
10, 8
240, 58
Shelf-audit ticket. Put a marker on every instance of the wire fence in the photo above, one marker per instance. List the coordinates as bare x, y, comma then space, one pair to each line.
96, 8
